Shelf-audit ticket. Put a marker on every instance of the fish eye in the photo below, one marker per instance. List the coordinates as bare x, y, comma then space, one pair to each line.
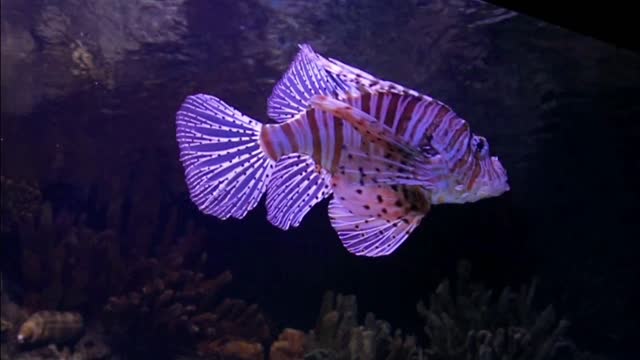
480, 146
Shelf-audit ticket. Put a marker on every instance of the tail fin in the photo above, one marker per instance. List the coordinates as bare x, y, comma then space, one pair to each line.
226, 170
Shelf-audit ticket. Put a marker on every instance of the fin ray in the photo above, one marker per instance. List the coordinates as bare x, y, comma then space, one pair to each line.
369, 235
296, 186
225, 168
302, 80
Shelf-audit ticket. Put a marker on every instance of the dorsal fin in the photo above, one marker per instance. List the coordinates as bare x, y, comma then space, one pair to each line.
302, 80
353, 78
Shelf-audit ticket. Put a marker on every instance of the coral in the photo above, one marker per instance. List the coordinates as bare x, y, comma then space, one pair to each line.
20, 199
179, 311
66, 265
289, 345
471, 324
337, 334
90, 346
51, 327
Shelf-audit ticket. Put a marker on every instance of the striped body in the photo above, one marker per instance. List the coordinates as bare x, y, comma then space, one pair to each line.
424, 122
385, 152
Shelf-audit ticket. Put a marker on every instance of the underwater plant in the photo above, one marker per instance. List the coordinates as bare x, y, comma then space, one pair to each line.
71, 259
469, 322
337, 335
177, 311
19, 200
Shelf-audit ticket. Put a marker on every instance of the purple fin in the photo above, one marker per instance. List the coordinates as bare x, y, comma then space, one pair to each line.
369, 235
296, 186
302, 80
225, 168
352, 77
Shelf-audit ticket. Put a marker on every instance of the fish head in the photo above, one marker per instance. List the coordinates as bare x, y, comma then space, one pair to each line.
487, 176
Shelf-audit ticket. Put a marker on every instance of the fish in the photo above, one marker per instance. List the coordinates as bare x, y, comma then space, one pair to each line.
384, 153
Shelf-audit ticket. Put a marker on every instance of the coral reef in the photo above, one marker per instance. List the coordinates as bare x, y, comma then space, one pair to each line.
468, 322
19, 200
180, 311
463, 322
289, 345
72, 260
337, 335
51, 327
66, 265
42, 341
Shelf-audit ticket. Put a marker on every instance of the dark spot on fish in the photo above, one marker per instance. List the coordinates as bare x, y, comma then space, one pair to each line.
367, 207
378, 169
357, 227
380, 232
361, 181
395, 224
359, 191
405, 221
384, 210
394, 188
366, 221
379, 198
350, 156
341, 197
334, 184
398, 203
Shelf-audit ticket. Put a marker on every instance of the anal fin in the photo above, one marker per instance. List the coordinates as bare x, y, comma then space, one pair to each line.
371, 236
296, 186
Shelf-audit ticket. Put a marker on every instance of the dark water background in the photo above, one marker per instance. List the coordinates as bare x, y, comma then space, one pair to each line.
90, 90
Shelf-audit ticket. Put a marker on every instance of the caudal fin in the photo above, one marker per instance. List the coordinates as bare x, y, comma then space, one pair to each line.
226, 170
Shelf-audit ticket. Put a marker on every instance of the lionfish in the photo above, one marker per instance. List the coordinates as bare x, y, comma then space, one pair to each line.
385, 152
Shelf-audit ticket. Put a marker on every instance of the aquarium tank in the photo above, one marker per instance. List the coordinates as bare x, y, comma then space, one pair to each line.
317, 180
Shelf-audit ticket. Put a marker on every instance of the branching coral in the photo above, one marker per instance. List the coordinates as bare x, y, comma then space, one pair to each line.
337, 335
468, 323
66, 266
20, 200
148, 288
180, 311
